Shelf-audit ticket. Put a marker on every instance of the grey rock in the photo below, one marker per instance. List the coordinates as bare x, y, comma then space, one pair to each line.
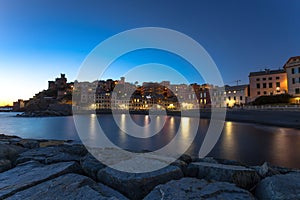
2, 136
32, 173
243, 177
192, 188
68, 186
10, 152
218, 161
185, 158
91, 166
27, 143
110, 192
53, 154
206, 159
265, 170
279, 187
5, 165
137, 185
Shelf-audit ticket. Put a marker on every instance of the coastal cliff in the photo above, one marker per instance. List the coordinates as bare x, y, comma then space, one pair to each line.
53, 169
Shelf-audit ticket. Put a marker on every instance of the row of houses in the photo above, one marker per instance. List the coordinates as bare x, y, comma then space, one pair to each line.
119, 94
285, 80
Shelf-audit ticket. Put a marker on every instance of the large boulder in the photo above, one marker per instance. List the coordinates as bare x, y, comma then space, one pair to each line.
54, 154
137, 185
279, 187
68, 186
241, 176
27, 143
5, 165
10, 152
192, 188
91, 166
265, 170
32, 173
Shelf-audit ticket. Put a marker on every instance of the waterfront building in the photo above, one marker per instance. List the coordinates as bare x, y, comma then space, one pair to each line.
236, 95
267, 82
292, 68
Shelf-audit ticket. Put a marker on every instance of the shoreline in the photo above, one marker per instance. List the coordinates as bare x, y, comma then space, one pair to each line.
277, 118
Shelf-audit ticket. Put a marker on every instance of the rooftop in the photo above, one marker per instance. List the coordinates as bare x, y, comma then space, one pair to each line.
235, 88
267, 72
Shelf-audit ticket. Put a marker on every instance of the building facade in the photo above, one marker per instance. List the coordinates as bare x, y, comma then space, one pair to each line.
236, 95
267, 82
292, 68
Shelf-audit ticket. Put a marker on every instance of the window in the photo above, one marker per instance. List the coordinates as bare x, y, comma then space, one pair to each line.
293, 80
265, 92
277, 84
257, 79
297, 90
293, 71
258, 93
257, 85
241, 98
277, 77
264, 79
229, 98
298, 69
270, 85
234, 98
270, 78
264, 85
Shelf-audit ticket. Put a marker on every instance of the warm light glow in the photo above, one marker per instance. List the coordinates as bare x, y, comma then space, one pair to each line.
5, 103
171, 106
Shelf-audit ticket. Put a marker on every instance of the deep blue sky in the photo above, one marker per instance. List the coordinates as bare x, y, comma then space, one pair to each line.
39, 39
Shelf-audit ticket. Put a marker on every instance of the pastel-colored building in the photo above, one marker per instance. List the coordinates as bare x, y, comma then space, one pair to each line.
236, 95
267, 82
292, 68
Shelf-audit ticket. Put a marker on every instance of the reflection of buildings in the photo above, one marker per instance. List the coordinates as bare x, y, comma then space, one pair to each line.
292, 67
267, 82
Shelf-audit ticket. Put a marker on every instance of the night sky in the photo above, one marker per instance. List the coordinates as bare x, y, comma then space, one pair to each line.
39, 39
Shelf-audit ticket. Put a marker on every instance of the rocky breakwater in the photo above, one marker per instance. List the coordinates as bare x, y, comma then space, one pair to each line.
49, 111
48, 169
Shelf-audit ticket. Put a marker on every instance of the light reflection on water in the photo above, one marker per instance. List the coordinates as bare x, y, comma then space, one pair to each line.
249, 143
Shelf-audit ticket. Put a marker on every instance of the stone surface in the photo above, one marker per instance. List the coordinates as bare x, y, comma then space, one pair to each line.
51, 143
91, 166
28, 143
32, 173
5, 165
10, 152
265, 170
192, 188
137, 185
243, 177
68, 186
279, 187
53, 154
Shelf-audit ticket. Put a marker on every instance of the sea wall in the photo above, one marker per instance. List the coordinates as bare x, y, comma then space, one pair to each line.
52, 169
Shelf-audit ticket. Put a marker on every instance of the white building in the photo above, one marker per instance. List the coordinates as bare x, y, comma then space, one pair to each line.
292, 67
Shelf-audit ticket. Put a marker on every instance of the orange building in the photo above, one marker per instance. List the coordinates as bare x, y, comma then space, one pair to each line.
267, 82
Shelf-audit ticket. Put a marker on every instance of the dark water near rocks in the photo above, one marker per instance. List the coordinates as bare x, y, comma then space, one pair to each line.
249, 143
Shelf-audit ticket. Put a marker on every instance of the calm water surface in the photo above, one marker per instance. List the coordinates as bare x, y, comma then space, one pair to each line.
249, 143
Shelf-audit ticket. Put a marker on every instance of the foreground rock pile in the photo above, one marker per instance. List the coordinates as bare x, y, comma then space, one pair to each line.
42, 169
